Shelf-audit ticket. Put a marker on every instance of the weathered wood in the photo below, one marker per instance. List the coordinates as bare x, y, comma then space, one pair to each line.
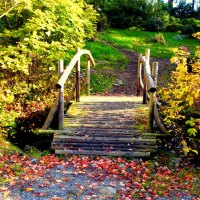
151, 116
108, 149
89, 137
152, 97
88, 76
61, 98
112, 134
103, 153
139, 76
78, 74
147, 73
145, 91
132, 147
158, 121
51, 114
155, 72
71, 65
101, 125
99, 142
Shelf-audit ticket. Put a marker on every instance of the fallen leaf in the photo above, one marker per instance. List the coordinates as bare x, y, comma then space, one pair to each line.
29, 189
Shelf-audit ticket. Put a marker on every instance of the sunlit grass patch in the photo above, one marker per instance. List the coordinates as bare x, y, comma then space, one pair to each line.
138, 41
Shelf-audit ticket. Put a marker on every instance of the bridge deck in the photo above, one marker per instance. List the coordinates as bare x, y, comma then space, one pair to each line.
104, 125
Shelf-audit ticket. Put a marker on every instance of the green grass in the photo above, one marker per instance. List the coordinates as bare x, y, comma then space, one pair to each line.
106, 56
138, 41
109, 61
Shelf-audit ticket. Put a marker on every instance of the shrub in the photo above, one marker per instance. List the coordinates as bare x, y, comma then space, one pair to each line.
154, 24
159, 38
34, 35
182, 98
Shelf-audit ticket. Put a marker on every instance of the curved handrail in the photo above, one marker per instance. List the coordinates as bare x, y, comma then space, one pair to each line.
71, 65
147, 72
150, 80
59, 103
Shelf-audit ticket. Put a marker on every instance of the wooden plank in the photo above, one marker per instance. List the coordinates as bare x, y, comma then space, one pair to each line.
103, 153
135, 135
67, 140
103, 145
107, 149
131, 140
96, 126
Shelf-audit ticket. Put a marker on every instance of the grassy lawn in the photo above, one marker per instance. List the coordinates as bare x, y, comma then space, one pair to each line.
109, 61
138, 41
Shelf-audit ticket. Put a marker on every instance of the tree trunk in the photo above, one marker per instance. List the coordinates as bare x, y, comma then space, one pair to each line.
193, 4
170, 4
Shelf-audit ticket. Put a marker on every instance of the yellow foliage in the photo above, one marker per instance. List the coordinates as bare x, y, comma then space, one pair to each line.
183, 96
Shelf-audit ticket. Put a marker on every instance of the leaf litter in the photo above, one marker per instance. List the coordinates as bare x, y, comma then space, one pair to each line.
83, 177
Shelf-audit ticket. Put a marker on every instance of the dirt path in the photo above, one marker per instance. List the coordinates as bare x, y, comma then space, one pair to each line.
127, 81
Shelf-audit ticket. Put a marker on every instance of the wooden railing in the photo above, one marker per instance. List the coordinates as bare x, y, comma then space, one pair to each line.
63, 76
148, 85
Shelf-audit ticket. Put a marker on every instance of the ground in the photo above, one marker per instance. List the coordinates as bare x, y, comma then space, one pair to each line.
127, 81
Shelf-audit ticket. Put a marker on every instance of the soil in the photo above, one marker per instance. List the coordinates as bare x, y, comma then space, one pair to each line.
127, 81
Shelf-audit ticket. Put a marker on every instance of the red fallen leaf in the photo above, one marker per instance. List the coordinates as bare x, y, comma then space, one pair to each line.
133, 164
188, 177
67, 179
56, 198
40, 194
188, 187
167, 172
137, 185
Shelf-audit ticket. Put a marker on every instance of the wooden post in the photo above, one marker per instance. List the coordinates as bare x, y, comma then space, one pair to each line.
145, 91
155, 72
78, 69
61, 98
147, 57
88, 76
139, 75
151, 110
152, 97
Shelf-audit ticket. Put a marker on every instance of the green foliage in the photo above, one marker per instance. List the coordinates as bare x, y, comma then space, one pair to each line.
159, 38
34, 35
128, 13
154, 24
46, 30
182, 97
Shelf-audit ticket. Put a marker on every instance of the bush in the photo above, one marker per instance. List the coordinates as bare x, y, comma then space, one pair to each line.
34, 35
185, 26
182, 98
159, 38
154, 24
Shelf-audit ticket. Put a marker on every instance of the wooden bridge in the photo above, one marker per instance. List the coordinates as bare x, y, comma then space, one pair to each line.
104, 125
